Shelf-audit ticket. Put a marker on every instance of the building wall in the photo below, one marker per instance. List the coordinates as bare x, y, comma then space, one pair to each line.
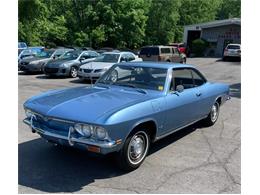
220, 36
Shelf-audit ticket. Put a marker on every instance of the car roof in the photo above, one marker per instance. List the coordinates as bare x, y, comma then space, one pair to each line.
234, 44
166, 65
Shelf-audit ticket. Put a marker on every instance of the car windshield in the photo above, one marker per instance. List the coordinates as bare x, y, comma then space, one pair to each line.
108, 57
44, 54
233, 47
25, 52
71, 55
135, 77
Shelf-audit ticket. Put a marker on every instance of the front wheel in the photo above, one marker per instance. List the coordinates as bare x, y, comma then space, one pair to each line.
73, 72
213, 115
134, 151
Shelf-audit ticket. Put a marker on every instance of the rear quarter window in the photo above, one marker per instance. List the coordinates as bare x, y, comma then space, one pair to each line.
165, 50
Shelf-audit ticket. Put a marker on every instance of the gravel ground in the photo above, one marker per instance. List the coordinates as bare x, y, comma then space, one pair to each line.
193, 160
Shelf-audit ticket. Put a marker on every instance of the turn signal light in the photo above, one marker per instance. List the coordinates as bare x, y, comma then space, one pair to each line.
93, 149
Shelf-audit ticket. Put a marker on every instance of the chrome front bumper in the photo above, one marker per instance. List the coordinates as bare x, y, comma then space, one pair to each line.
90, 75
104, 146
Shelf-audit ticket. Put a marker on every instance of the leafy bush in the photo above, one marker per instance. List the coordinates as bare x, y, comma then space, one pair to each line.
198, 47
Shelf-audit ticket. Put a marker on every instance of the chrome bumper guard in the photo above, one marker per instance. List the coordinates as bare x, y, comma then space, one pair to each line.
71, 140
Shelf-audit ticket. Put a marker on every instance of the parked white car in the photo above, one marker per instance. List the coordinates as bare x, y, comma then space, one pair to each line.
232, 50
93, 70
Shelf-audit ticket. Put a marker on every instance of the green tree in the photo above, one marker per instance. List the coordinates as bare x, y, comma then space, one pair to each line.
192, 12
229, 9
162, 20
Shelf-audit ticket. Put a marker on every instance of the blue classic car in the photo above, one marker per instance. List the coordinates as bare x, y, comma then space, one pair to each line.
132, 105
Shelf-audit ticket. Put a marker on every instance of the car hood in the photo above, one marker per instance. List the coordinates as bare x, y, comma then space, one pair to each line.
83, 104
58, 62
97, 65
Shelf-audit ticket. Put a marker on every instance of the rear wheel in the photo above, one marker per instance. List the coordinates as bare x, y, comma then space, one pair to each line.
73, 72
213, 115
134, 151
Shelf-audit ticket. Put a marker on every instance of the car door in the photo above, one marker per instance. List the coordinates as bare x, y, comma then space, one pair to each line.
182, 108
203, 87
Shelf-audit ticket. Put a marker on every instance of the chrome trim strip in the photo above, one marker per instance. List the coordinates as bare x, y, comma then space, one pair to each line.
51, 118
60, 120
175, 130
100, 144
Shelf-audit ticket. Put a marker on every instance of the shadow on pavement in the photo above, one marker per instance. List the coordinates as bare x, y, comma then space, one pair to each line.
230, 60
235, 90
60, 169
51, 77
29, 73
79, 81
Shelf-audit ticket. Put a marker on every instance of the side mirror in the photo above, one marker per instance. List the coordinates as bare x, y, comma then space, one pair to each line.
82, 59
179, 88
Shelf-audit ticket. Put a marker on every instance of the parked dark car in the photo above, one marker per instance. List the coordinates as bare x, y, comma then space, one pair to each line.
131, 106
69, 63
36, 63
30, 52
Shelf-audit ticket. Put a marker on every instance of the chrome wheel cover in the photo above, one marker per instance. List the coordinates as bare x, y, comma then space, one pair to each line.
74, 72
138, 147
214, 112
113, 76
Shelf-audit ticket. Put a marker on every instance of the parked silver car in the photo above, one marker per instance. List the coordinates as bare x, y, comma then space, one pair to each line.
93, 70
232, 51
69, 63
36, 62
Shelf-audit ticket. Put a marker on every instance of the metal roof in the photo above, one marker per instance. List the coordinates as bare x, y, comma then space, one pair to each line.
217, 23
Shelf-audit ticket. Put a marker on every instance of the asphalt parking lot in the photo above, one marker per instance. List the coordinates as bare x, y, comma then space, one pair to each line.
194, 160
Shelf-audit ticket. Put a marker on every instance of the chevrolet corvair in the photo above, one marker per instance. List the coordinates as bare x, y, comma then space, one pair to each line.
131, 106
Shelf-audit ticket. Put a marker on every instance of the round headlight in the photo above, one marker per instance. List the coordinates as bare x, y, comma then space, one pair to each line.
28, 113
86, 130
101, 133
78, 128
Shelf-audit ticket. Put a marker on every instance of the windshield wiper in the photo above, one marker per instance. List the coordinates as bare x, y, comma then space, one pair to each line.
125, 85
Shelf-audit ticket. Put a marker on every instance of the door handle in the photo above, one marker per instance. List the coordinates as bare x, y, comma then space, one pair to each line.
198, 94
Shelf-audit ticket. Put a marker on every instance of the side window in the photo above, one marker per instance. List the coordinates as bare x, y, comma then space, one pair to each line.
181, 77
93, 54
124, 58
198, 79
176, 51
85, 56
131, 57
165, 50
173, 51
